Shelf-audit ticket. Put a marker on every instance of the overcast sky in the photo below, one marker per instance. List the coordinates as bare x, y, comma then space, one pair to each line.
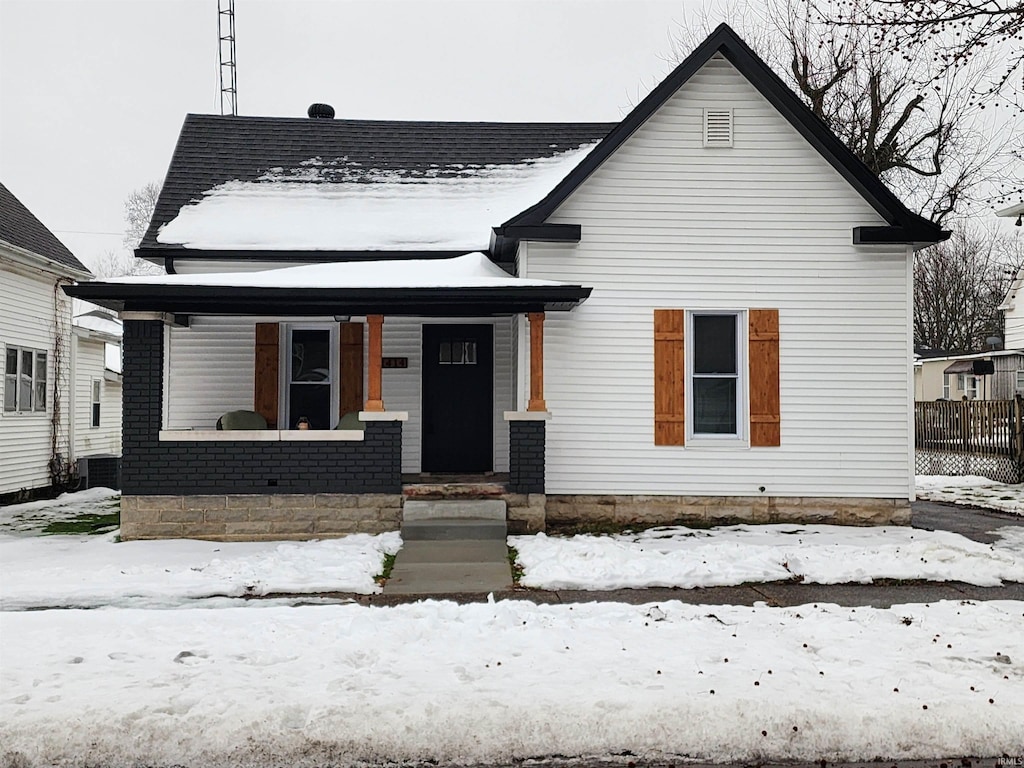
93, 92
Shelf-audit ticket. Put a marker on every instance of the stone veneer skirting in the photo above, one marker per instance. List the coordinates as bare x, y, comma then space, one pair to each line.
259, 517
718, 510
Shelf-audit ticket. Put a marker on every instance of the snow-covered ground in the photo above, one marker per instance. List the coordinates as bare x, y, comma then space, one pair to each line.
822, 554
158, 678
483, 682
973, 491
92, 571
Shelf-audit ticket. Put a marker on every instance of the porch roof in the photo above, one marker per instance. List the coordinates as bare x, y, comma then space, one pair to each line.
466, 285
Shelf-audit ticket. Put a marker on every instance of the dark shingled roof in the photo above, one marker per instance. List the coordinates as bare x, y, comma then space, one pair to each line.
20, 228
213, 149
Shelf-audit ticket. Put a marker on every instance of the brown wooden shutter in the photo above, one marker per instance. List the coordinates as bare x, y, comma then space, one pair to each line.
765, 411
351, 399
669, 373
265, 386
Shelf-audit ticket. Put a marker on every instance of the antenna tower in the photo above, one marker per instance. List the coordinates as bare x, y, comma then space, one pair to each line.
226, 50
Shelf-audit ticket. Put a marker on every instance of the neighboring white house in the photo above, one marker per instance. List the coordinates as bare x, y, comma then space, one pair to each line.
704, 315
96, 371
36, 449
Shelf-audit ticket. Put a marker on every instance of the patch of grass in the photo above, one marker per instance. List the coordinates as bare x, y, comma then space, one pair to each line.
517, 569
90, 524
385, 571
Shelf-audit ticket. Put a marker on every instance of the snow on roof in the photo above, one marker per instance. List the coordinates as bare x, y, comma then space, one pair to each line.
472, 270
100, 321
296, 209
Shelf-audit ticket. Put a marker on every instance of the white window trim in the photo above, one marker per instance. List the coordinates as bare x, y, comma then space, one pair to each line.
742, 436
95, 399
18, 411
285, 364
946, 386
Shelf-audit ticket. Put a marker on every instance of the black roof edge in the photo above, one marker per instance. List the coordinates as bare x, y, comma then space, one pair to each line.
545, 233
225, 300
897, 235
761, 76
159, 254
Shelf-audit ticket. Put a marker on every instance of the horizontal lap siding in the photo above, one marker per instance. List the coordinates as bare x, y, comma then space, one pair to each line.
90, 365
668, 223
211, 371
27, 320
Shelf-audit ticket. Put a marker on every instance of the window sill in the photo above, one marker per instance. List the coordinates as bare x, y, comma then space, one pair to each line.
717, 443
260, 435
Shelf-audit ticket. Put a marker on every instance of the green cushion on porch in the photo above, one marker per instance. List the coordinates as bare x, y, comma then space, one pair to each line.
351, 421
241, 420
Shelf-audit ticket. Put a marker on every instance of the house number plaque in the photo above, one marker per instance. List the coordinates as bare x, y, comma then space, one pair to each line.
394, 362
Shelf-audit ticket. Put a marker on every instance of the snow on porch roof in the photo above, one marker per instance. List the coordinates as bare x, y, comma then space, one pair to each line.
462, 285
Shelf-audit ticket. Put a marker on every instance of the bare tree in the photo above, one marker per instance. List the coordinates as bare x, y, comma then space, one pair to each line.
138, 211
120, 264
959, 285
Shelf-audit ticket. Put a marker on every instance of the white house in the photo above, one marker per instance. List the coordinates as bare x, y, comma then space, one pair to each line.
699, 313
36, 449
96, 399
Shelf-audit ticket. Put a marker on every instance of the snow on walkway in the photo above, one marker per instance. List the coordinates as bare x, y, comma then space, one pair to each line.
972, 491
821, 554
499, 682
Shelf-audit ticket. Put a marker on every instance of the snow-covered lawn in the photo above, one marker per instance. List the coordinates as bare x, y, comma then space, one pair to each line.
973, 491
822, 554
476, 683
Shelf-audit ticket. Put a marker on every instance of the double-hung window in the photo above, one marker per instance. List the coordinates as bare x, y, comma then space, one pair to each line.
715, 366
94, 420
24, 380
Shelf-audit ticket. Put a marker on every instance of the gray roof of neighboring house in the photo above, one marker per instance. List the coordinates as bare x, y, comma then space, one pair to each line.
213, 149
20, 228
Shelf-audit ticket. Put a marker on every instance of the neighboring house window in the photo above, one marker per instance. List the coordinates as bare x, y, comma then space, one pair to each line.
95, 420
971, 388
716, 375
1020, 383
24, 380
945, 385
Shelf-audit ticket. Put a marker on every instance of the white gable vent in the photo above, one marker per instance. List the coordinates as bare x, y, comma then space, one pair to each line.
717, 127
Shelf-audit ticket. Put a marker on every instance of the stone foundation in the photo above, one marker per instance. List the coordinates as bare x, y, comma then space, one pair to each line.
259, 517
722, 510
526, 512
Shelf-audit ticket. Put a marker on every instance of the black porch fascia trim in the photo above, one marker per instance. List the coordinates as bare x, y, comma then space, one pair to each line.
177, 252
505, 239
725, 41
236, 300
895, 235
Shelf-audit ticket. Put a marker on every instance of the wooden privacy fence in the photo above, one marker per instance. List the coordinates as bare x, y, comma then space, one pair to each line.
970, 437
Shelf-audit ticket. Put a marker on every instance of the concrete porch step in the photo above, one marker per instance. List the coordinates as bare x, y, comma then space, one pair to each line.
453, 490
481, 509
452, 529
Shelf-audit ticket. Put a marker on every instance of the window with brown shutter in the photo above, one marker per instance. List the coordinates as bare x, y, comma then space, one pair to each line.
699, 376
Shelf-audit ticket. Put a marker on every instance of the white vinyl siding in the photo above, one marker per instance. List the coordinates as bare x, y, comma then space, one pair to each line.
211, 372
90, 369
669, 224
27, 321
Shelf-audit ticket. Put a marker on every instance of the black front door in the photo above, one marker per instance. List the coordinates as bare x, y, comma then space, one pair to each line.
458, 397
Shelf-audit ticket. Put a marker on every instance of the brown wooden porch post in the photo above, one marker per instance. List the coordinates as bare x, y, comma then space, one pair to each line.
536, 362
374, 401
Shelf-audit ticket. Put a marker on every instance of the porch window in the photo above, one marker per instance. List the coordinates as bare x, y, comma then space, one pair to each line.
311, 377
24, 380
715, 374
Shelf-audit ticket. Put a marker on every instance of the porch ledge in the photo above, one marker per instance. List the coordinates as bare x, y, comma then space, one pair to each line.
383, 415
258, 435
527, 415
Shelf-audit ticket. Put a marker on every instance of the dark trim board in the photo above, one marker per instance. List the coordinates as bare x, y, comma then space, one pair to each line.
241, 300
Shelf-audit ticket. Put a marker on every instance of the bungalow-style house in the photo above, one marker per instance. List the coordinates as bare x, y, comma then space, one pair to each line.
36, 447
699, 313
96, 399
994, 375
